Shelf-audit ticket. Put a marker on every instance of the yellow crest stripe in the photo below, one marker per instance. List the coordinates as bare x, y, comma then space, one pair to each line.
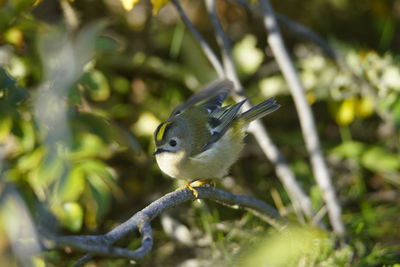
161, 131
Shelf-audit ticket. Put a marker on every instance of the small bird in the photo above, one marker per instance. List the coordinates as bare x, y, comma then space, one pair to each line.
201, 139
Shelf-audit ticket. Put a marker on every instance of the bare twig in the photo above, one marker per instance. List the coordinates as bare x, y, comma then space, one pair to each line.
297, 29
306, 117
300, 200
202, 42
103, 244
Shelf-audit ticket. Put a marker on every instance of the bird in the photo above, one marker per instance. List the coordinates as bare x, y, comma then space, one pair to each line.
202, 139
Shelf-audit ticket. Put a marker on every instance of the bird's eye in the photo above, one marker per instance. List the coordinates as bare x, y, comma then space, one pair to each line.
172, 142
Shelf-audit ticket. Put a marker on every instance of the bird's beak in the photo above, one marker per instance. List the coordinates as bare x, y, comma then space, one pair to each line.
158, 151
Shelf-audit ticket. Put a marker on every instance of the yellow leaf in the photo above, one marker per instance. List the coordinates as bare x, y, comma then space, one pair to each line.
129, 4
14, 36
311, 98
157, 5
346, 111
365, 107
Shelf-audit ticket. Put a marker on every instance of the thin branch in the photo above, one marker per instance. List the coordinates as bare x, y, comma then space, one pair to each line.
306, 117
202, 42
300, 200
103, 244
297, 29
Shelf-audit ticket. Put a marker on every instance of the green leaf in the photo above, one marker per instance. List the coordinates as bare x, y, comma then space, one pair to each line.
71, 216
106, 43
40, 178
89, 123
25, 133
101, 184
30, 161
5, 126
86, 145
96, 84
289, 247
349, 149
71, 186
380, 160
396, 113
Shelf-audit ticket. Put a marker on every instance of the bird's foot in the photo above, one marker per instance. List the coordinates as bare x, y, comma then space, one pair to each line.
197, 183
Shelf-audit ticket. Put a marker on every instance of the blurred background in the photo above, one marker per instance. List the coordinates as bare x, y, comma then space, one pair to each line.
84, 84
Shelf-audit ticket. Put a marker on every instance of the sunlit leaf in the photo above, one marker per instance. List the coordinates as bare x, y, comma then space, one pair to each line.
247, 55
14, 36
71, 216
379, 159
271, 86
157, 5
90, 123
30, 161
345, 112
146, 124
71, 186
365, 107
289, 247
5, 126
349, 149
50, 169
86, 145
129, 4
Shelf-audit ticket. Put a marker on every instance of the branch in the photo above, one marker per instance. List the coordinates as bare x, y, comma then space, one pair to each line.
202, 42
300, 200
306, 117
297, 29
103, 244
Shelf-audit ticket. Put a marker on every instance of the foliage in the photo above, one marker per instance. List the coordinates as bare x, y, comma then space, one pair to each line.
80, 99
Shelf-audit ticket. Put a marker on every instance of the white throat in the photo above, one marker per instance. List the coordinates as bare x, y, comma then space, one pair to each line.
169, 162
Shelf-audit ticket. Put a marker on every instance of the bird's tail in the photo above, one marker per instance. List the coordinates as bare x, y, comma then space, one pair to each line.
260, 110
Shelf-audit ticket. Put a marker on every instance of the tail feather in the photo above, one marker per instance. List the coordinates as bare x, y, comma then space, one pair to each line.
260, 110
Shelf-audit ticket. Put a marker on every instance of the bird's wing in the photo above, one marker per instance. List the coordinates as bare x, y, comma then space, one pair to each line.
210, 97
220, 120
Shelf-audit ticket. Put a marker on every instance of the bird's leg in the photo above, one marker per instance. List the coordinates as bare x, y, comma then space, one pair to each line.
196, 183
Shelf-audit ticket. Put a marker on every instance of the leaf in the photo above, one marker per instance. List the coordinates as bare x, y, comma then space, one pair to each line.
30, 161
71, 216
380, 160
344, 113
90, 123
365, 107
96, 84
396, 114
349, 149
157, 5
146, 124
71, 186
101, 182
87, 145
129, 4
247, 55
306, 245
25, 133
50, 169
5, 126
